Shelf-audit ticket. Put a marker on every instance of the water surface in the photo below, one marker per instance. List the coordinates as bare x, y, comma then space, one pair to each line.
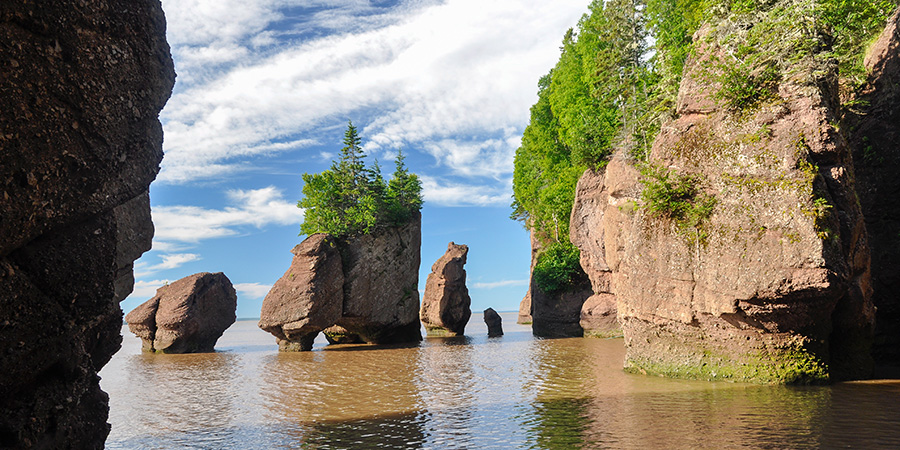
472, 392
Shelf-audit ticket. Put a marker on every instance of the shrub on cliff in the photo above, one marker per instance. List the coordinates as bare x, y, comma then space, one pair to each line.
350, 199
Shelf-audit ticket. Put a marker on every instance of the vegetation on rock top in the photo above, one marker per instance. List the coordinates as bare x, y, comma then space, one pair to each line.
617, 80
350, 199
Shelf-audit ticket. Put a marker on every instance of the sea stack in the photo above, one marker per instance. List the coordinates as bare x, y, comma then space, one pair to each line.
494, 322
446, 303
187, 316
359, 289
80, 141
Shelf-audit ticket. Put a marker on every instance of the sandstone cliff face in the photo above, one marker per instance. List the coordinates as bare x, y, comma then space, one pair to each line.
82, 85
775, 284
187, 316
360, 290
446, 303
598, 313
875, 138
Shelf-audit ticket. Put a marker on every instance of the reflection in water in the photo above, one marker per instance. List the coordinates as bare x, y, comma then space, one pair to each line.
468, 392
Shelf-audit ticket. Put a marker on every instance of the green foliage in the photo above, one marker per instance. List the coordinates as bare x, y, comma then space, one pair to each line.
854, 24
742, 89
558, 268
350, 199
677, 198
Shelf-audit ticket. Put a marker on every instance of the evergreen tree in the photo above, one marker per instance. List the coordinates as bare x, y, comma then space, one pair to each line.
350, 199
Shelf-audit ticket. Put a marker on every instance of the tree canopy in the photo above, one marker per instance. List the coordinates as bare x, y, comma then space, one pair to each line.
350, 199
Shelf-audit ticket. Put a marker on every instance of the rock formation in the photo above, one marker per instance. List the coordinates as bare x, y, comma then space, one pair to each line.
554, 314
378, 299
875, 139
445, 305
82, 85
308, 298
586, 231
773, 285
494, 322
187, 316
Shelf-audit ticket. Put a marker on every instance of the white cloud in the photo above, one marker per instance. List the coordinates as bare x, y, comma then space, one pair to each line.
446, 193
258, 208
147, 289
253, 290
496, 284
439, 77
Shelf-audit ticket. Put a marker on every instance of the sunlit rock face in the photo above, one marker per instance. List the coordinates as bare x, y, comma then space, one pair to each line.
775, 285
875, 137
362, 289
82, 85
446, 303
187, 316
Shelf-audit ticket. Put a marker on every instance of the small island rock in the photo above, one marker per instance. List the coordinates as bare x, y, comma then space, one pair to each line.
187, 316
493, 322
308, 298
446, 303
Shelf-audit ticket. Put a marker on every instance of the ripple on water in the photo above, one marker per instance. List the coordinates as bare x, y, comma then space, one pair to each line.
471, 392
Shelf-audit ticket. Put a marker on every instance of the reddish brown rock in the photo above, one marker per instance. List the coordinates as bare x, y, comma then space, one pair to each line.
773, 286
446, 304
362, 289
587, 231
494, 322
187, 316
875, 137
308, 298
82, 85
381, 284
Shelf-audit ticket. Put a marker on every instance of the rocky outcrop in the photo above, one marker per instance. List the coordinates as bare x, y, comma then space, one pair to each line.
587, 232
82, 85
187, 316
875, 138
774, 284
494, 322
308, 298
378, 299
553, 314
445, 305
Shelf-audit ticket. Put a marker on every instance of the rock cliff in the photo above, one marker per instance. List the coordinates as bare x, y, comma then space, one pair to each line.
187, 316
875, 138
764, 274
378, 300
446, 303
82, 85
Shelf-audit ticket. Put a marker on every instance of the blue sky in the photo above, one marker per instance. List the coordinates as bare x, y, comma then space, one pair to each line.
264, 92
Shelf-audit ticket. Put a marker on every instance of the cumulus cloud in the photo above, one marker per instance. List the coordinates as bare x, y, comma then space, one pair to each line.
454, 79
496, 284
253, 290
257, 208
448, 193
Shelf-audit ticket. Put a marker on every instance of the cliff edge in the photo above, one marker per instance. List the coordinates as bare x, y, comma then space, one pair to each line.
82, 85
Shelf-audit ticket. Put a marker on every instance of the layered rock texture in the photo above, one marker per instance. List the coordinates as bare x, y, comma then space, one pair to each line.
772, 281
494, 322
82, 85
446, 303
363, 289
187, 316
875, 138
553, 314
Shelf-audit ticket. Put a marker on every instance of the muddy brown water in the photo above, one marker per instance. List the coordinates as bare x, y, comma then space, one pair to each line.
474, 392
